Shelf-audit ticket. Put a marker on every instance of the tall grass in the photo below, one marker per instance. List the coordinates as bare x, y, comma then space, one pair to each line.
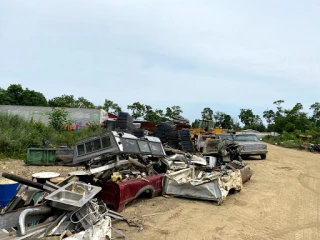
293, 140
17, 134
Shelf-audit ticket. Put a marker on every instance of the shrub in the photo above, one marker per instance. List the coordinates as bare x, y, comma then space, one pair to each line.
18, 134
58, 119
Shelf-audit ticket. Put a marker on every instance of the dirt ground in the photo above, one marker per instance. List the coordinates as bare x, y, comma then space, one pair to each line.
281, 201
18, 167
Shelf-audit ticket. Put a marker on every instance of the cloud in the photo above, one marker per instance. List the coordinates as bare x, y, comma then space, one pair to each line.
225, 55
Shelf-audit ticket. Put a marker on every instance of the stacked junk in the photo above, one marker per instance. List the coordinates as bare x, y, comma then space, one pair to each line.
118, 167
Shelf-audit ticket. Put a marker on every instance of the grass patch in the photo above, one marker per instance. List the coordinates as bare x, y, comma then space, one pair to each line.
291, 144
18, 134
287, 140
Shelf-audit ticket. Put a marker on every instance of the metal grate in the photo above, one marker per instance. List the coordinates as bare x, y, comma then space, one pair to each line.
253, 147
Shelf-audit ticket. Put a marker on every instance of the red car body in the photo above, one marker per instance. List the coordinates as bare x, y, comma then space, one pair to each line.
121, 193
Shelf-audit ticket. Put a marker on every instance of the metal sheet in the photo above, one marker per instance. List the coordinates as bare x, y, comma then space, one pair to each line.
206, 191
213, 187
99, 231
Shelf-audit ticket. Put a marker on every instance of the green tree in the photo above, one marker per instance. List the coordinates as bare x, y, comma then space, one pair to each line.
138, 110
82, 102
291, 120
297, 117
223, 120
14, 93
315, 111
161, 114
173, 111
195, 123
153, 116
279, 107
207, 114
32, 98
246, 117
69, 101
4, 97
258, 124
65, 101
58, 119
269, 115
110, 106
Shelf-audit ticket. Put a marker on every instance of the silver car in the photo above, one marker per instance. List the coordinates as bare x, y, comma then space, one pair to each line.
251, 146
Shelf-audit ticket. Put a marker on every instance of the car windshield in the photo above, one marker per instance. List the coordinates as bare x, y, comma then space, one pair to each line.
246, 138
225, 137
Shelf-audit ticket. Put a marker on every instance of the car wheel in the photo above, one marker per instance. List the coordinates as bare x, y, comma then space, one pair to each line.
263, 156
244, 157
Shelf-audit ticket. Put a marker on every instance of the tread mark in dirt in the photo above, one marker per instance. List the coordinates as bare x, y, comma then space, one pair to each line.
278, 234
174, 216
309, 182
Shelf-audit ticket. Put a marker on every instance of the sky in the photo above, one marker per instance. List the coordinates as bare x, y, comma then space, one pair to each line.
225, 55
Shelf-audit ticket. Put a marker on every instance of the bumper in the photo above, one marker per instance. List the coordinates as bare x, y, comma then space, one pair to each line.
260, 152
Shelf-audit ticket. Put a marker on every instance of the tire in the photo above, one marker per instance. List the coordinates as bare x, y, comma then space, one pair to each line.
263, 156
244, 157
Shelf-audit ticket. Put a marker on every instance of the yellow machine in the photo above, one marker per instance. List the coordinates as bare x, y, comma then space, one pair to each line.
219, 131
207, 127
205, 130
204, 126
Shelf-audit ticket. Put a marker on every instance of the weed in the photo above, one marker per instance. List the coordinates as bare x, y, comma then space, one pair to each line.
18, 134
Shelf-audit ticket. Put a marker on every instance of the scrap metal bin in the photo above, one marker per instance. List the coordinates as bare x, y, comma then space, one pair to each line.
41, 156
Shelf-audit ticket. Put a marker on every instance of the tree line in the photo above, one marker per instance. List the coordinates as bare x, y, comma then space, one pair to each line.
278, 120
16, 95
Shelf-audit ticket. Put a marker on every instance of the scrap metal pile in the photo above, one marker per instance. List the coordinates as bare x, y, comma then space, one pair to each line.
118, 168
177, 139
68, 210
175, 134
311, 147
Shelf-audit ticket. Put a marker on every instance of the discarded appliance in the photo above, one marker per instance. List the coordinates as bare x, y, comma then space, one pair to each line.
72, 196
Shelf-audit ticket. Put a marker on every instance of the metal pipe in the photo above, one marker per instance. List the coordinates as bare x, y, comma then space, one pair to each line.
23, 180
27, 212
